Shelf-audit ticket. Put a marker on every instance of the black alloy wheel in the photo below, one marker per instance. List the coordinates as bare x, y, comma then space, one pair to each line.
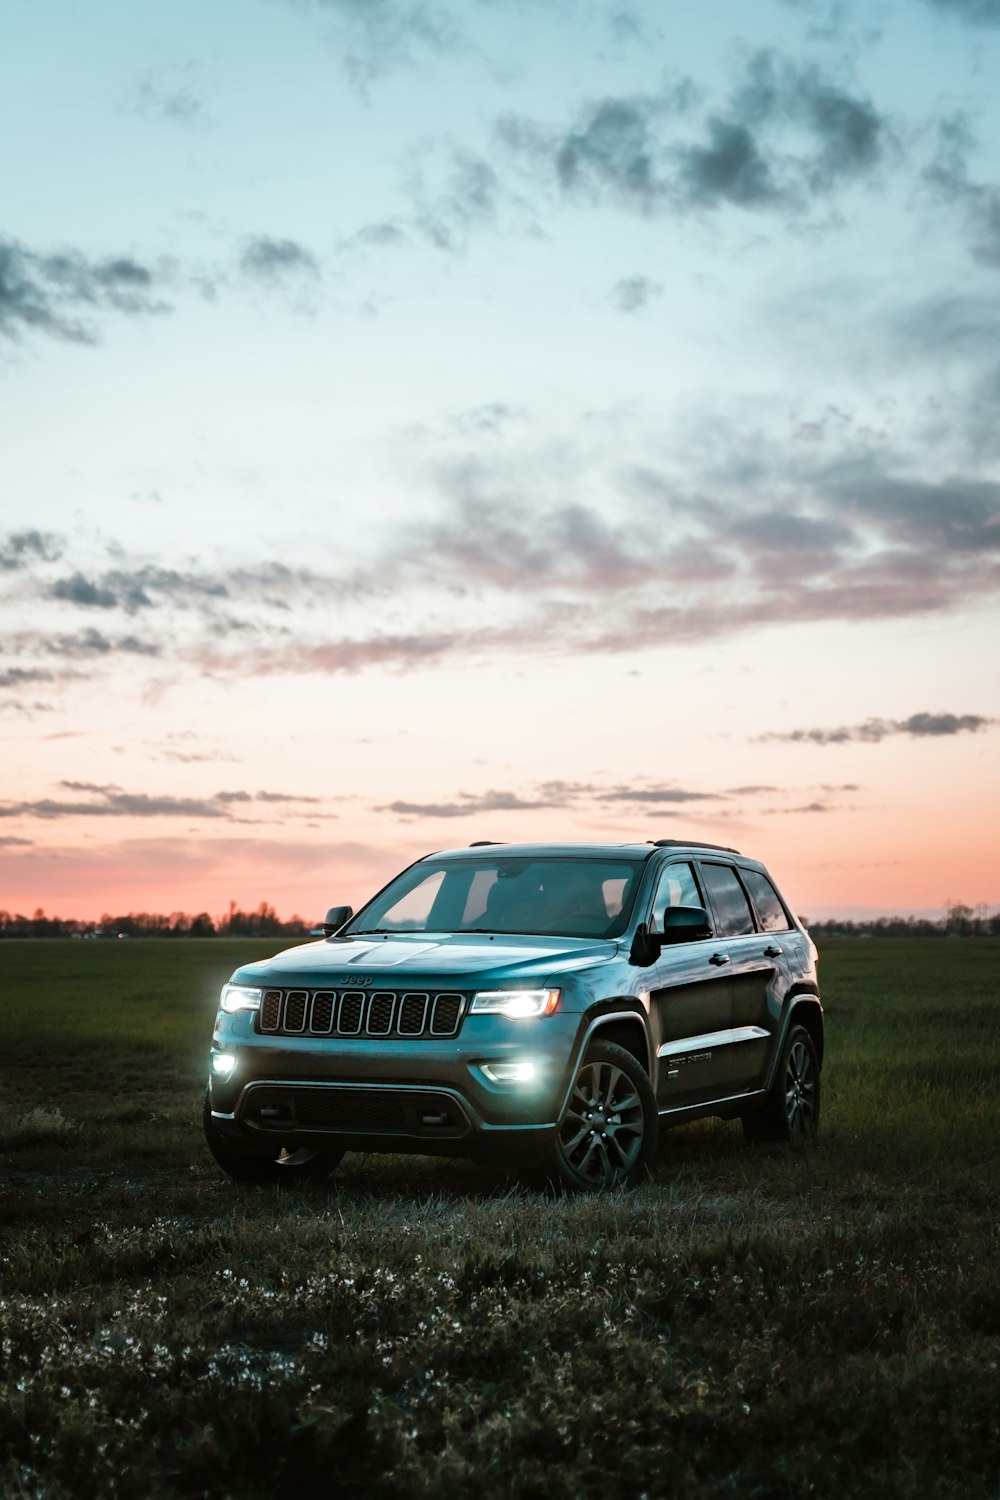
272, 1165
791, 1111
608, 1131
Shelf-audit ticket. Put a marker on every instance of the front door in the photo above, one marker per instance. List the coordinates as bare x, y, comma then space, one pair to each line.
690, 1000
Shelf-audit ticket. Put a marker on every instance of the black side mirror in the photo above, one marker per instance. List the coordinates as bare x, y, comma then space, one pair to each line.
684, 924
335, 919
681, 924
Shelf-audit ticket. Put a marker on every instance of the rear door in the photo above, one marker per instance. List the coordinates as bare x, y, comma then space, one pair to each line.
777, 942
754, 964
690, 1003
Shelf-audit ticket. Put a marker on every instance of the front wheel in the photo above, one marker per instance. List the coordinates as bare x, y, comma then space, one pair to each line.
273, 1164
791, 1110
607, 1135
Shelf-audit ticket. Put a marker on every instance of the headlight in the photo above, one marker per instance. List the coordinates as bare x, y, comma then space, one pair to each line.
517, 1004
236, 997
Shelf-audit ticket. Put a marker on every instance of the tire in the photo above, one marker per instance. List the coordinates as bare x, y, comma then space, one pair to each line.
791, 1110
247, 1164
607, 1135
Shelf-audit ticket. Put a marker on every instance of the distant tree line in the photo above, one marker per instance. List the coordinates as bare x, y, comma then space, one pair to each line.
959, 921
264, 922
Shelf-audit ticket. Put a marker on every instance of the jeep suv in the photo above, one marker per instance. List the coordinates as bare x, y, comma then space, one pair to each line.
547, 1005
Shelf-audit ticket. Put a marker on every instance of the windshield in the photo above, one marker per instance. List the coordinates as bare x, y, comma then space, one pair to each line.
558, 896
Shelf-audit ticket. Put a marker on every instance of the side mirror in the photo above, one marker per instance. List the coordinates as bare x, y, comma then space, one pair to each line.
335, 919
683, 924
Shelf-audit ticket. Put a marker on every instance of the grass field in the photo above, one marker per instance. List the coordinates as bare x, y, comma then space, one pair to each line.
753, 1323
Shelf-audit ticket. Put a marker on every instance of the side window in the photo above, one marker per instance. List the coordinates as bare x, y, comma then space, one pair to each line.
773, 917
677, 887
733, 917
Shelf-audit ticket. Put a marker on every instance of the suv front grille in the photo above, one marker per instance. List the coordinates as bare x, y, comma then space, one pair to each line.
383, 1013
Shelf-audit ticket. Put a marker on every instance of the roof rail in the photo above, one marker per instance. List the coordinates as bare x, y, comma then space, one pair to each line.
482, 843
690, 844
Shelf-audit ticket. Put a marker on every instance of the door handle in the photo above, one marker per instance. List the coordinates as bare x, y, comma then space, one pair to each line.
772, 951
718, 959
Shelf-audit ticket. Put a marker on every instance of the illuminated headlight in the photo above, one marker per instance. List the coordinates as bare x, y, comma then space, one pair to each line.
509, 1072
223, 1063
236, 997
518, 1004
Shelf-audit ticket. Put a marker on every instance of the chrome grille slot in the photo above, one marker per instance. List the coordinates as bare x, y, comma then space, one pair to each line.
445, 1015
270, 1010
380, 1011
321, 1015
412, 1015
296, 1002
352, 1006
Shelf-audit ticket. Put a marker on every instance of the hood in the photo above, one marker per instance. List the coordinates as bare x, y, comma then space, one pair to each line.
464, 959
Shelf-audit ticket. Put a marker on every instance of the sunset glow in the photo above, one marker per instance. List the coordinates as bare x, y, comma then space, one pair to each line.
560, 421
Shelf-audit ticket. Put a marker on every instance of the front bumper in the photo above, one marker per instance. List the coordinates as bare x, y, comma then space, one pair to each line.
396, 1095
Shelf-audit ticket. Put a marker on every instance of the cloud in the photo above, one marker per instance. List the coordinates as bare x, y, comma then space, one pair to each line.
92, 643
22, 676
873, 731
613, 149
533, 546
633, 293
110, 801
454, 191
25, 710
550, 794
655, 794
379, 36
172, 94
729, 167
467, 805
960, 323
788, 134
974, 12
60, 294
349, 654
379, 235
285, 797
137, 588
978, 203
80, 590
272, 260
12, 843
20, 549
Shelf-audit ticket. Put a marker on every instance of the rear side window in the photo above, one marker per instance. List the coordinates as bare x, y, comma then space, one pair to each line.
773, 917
733, 917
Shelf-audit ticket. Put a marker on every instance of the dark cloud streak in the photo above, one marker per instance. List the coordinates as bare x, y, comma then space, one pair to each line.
59, 294
873, 731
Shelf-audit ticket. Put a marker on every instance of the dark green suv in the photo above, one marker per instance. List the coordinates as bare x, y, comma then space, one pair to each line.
547, 1005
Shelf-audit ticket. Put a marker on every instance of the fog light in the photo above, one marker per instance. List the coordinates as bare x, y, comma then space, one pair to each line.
510, 1072
223, 1063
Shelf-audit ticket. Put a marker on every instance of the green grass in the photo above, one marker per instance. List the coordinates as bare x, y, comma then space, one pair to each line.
753, 1323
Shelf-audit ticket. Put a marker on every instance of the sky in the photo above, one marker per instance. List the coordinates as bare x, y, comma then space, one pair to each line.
434, 420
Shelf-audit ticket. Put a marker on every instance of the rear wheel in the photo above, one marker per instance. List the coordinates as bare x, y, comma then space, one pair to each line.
272, 1164
608, 1131
791, 1111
